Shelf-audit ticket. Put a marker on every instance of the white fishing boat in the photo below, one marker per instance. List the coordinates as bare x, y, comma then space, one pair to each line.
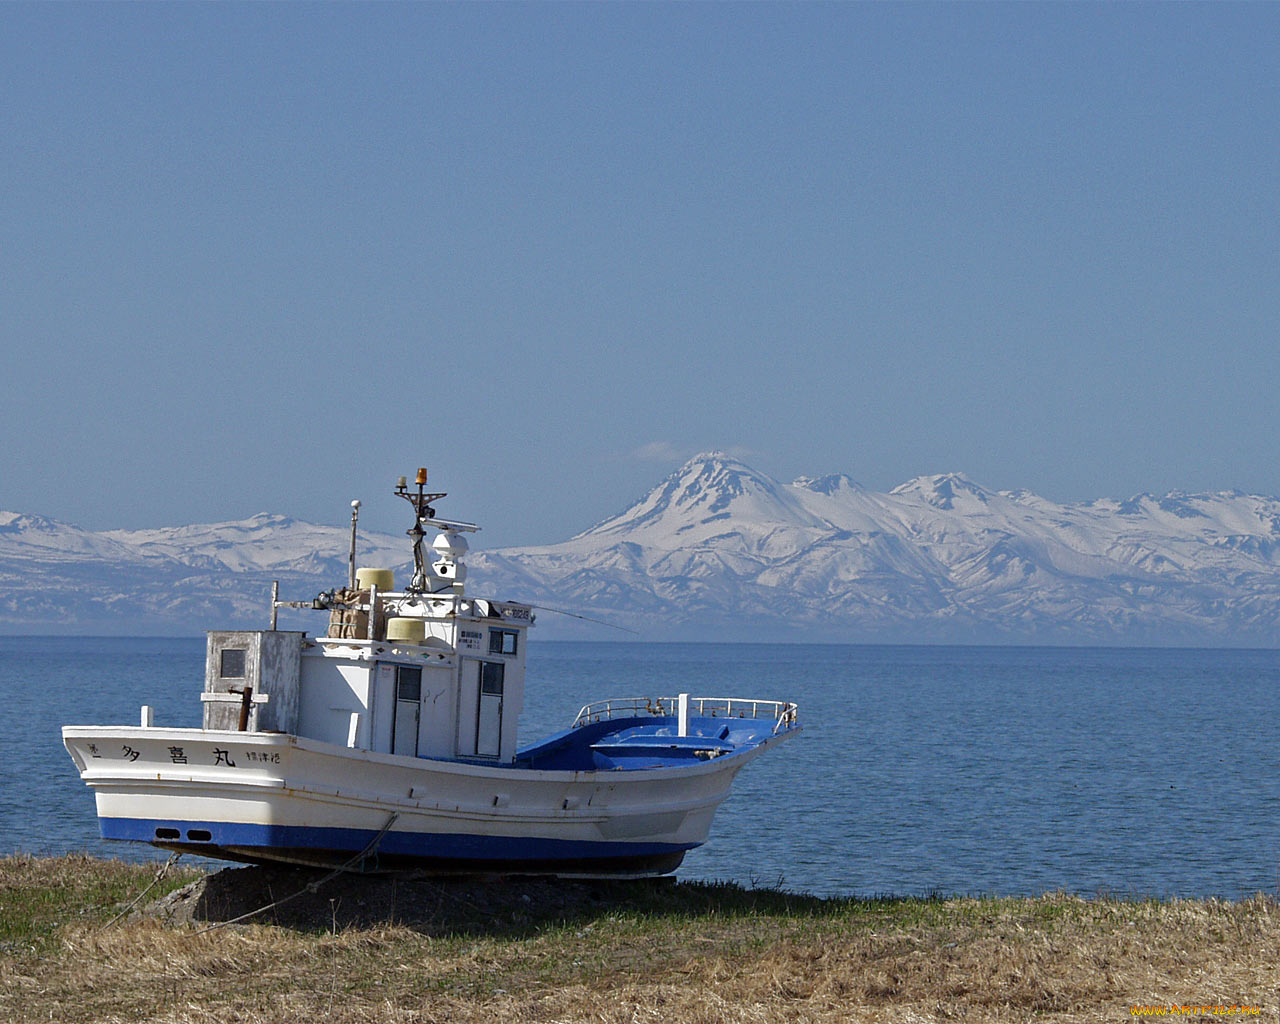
391, 740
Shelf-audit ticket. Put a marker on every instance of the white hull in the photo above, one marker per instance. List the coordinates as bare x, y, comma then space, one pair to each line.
272, 796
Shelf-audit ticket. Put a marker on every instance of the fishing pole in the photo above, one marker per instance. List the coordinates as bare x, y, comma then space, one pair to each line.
585, 618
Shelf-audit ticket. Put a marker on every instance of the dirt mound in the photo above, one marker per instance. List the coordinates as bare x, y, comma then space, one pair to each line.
312, 900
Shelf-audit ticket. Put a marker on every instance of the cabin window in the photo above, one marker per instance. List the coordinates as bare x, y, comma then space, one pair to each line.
502, 641
491, 680
232, 666
408, 683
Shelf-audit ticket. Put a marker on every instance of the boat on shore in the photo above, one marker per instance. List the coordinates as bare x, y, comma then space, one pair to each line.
391, 741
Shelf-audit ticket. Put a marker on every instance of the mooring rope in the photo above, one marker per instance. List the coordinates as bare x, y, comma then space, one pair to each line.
312, 886
164, 870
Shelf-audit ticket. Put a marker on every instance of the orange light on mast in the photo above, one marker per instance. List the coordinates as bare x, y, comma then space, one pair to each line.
422, 476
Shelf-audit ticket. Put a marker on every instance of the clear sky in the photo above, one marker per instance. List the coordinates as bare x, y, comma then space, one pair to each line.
268, 257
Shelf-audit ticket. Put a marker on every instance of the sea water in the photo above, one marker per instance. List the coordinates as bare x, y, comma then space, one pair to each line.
999, 770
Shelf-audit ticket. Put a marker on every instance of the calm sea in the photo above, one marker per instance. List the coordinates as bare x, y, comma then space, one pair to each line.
920, 769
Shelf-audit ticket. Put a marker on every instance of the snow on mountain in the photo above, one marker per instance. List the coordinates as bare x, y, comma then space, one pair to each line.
832, 484
38, 536
719, 550
56, 577
720, 546
696, 500
261, 543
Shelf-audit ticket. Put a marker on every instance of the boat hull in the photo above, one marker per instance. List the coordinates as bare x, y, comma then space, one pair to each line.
265, 797
431, 852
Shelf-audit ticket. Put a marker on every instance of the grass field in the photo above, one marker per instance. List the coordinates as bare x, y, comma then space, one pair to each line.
492, 952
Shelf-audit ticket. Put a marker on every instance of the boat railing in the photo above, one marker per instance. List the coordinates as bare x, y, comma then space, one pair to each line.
782, 713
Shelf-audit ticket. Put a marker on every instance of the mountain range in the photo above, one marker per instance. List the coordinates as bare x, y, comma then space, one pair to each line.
720, 551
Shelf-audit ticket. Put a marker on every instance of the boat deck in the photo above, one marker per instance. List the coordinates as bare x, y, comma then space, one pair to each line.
632, 735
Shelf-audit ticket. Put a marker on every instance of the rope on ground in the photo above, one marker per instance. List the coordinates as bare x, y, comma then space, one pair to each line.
164, 870
312, 886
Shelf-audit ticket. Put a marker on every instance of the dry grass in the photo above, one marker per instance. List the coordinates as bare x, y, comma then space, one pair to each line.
688, 953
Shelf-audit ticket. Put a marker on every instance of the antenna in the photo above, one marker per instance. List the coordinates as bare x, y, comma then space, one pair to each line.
351, 554
421, 503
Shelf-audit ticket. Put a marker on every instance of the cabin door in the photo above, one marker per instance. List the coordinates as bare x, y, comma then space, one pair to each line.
489, 714
408, 711
480, 709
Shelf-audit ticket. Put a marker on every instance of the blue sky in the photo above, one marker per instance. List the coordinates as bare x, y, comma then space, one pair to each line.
268, 257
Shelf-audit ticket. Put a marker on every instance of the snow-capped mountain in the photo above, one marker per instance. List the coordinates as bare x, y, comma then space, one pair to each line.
719, 550
57, 578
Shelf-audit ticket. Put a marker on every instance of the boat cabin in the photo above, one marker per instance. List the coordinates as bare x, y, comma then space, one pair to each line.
422, 672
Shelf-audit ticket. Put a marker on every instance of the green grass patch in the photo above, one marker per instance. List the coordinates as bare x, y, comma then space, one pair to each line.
38, 895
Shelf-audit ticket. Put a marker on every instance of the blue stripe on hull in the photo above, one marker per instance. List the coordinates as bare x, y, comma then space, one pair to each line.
436, 846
